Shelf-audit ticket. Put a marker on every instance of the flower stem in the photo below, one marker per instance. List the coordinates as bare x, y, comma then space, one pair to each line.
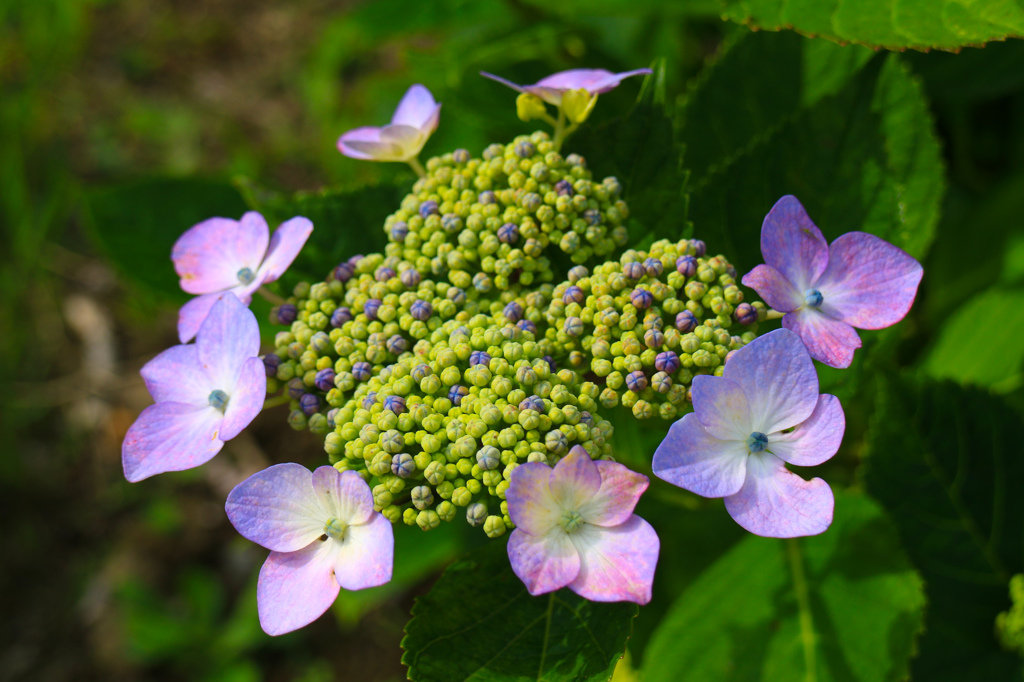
275, 401
803, 601
270, 296
774, 315
415, 164
559, 130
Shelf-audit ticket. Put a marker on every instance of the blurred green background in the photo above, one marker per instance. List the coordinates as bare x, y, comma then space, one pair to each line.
116, 111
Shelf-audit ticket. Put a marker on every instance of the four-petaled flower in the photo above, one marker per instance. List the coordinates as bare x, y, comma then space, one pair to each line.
827, 290
205, 394
763, 412
322, 533
575, 527
240, 256
552, 88
414, 121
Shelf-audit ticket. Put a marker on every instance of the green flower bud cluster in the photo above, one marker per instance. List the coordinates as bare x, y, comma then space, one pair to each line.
1010, 624
647, 324
439, 432
489, 223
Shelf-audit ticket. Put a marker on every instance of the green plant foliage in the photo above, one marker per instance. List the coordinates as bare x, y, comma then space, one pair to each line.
863, 159
137, 223
917, 24
946, 462
844, 605
479, 622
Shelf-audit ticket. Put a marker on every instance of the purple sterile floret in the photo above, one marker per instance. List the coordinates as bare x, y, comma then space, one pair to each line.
699, 247
762, 413
633, 270
287, 313
636, 381
395, 403
641, 299
575, 528
397, 344
859, 281
410, 278
362, 371
513, 311
309, 404
343, 271
653, 267
686, 266
324, 379
745, 314
340, 316
456, 393
271, 362
527, 326
296, 388
479, 357
205, 394
564, 188
508, 233
220, 255
421, 310
383, 274
399, 231
686, 321
371, 307
573, 294
551, 88
428, 208
666, 361
411, 126
533, 402
323, 535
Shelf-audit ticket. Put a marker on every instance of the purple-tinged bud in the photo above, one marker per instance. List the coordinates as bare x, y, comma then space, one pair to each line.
564, 188
661, 382
531, 201
460, 156
371, 308
486, 197
533, 402
324, 379
527, 326
524, 149
745, 314
320, 342
641, 299
654, 338
479, 357
573, 326
451, 223
309, 404
362, 371
369, 400
593, 216
344, 271
331, 416
456, 393
508, 233
476, 513
456, 295
699, 247
397, 344
513, 311
728, 356
428, 208
399, 231
653, 267
421, 372
395, 403
482, 283
340, 316
296, 388
686, 321
488, 457
586, 418
421, 310
287, 313
653, 321
667, 361
633, 270
573, 295
636, 381
383, 274
577, 273
354, 260
410, 278
551, 363
402, 465
686, 266
270, 363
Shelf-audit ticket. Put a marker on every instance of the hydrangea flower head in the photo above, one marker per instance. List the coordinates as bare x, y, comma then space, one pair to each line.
220, 255
414, 121
205, 393
322, 533
826, 290
552, 88
576, 528
762, 413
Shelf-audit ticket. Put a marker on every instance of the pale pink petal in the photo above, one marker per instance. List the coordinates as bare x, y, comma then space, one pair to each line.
815, 440
246, 398
544, 563
276, 508
503, 81
691, 458
296, 588
343, 495
175, 376
170, 437
722, 408
575, 480
778, 377
416, 109
614, 501
209, 255
552, 96
530, 503
362, 143
869, 283
367, 554
227, 338
285, 245
192, 315
616, 563
595, 81
776, 290
776, 503
792, 244
407, 141
827, 340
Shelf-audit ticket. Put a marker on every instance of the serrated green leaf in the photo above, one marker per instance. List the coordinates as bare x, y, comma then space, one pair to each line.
479, 622
845, 605
917, 24
946, 463
864, 159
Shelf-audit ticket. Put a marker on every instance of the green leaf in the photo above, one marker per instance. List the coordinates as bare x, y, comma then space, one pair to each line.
917, 24
479, 622
863, 159
845, 605
136, 224
946, 462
